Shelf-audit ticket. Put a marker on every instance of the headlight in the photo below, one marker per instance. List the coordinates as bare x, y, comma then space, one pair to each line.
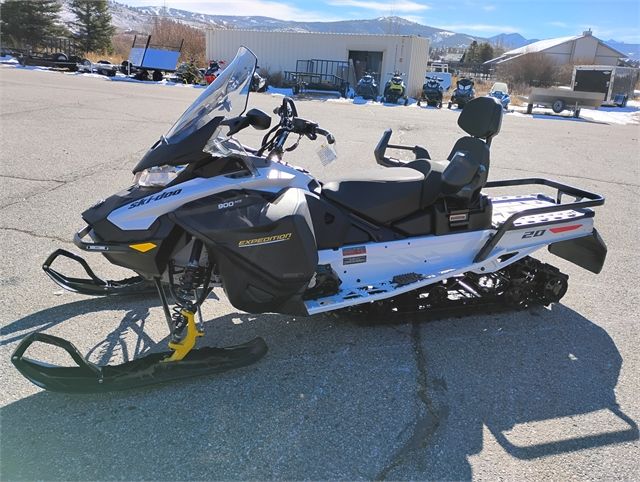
158, 176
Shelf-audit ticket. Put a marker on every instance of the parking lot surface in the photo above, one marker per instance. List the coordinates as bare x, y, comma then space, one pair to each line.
538, 394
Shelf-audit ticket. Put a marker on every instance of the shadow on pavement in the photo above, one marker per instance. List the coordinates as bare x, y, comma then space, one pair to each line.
542, 368
498, 372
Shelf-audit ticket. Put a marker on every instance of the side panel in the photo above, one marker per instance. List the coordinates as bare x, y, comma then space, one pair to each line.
265, 249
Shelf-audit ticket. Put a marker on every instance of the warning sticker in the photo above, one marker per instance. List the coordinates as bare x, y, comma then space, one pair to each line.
354, 251
354, 260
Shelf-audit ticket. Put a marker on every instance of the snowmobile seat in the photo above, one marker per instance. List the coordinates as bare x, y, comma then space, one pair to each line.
382, 195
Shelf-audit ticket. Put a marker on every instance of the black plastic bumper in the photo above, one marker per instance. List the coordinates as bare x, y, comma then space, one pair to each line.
93, 285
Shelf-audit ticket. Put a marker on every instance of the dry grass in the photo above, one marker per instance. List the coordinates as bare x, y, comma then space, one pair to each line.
170, 32
163, 32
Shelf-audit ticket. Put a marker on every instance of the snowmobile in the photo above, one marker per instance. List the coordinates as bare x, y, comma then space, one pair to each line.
215, 66
395, 89
411, 238
258, 83
500, 91
463, 93
367, 87
431, 92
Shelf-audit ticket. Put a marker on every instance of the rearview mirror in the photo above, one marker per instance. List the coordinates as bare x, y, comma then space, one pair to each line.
258, 119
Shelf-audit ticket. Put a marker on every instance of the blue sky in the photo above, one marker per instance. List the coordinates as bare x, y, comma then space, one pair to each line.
617, 19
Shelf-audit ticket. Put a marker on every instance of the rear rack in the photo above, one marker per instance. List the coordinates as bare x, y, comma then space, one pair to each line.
579, 204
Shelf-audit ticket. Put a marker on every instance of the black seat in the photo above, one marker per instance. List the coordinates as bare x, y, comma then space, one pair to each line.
393, 193
382, 195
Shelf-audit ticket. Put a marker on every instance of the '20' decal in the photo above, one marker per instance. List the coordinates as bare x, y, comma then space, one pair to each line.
533, 234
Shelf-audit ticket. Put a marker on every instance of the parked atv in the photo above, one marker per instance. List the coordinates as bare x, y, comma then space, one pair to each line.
395, 89
431, 92
367, 87
500, 91
463, 93
418, 238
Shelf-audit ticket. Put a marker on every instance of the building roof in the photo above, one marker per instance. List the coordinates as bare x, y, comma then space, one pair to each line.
542, 45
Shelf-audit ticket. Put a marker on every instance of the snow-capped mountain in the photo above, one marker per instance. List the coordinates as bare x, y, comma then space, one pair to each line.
510, 40
138, 19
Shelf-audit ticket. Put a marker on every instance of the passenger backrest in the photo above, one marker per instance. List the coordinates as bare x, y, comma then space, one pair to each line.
482, 118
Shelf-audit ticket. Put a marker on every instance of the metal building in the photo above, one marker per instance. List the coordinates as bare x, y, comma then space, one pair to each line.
584, 49
279, 51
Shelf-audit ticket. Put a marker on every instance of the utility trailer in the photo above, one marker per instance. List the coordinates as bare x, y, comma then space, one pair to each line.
560, 99
146, 57
615, 84
55, 52
319, 74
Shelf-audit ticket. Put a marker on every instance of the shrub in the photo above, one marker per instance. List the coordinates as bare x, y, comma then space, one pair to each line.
534, 69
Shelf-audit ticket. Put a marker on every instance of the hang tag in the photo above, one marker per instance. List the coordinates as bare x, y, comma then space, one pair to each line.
327, 153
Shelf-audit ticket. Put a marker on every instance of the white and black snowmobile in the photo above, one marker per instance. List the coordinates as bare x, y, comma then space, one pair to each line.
416, 238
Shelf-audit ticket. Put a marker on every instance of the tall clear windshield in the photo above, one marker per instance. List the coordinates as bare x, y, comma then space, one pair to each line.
227, 97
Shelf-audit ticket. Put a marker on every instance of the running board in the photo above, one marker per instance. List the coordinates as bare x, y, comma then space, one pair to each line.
88, 377
356, 295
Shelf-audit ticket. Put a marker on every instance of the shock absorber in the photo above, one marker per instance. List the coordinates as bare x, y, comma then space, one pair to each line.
183, 293
185, 332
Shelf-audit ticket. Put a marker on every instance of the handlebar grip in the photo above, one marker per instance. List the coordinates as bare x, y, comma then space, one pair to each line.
327, 134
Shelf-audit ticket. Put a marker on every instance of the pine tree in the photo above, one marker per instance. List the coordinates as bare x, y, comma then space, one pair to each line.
93, 25
485, 52
27, 23
471, 54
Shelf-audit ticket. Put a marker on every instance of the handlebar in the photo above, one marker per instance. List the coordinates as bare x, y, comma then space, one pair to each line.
275, 139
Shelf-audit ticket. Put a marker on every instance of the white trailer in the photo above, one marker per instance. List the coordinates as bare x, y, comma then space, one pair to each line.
616, 84
560, 99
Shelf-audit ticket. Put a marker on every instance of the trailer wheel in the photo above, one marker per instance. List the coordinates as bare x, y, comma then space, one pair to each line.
557, 106
157, 76
576, 114
529, 108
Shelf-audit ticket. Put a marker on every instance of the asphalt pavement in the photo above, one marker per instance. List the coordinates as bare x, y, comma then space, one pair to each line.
540, 394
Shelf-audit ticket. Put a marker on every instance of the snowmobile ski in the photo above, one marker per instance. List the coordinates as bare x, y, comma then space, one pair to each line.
94, 285
152, 369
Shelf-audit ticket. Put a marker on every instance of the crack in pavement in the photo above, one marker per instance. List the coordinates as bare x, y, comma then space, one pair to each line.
429, 416
105, 166
35, 235
21, 178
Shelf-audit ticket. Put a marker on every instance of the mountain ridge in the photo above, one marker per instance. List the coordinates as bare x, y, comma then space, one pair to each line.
138, 19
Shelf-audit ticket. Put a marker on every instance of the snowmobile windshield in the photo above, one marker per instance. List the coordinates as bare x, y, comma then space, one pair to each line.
226, 97
500, 87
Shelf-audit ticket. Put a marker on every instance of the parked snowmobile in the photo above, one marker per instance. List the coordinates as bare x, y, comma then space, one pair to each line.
215, 67
417, 237
500, 91
431, 92
367, 87
258, 83
463, 93
395, 89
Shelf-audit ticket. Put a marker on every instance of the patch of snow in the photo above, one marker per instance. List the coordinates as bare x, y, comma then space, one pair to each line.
629, 115
279, 91
7, 59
